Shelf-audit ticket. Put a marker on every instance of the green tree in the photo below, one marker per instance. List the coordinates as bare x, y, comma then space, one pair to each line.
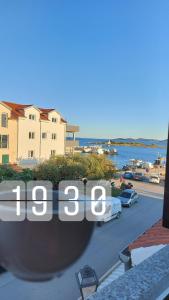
74, 167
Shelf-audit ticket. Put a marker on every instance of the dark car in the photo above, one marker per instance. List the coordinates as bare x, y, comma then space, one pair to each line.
138, 176
128, 175
126, 168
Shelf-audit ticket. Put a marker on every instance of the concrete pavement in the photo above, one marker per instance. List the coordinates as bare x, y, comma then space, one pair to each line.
144, 187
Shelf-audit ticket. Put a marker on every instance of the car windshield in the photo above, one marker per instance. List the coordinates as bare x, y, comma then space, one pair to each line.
125, 195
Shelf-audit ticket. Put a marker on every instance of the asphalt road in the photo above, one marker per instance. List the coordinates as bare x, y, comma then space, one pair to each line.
101, 254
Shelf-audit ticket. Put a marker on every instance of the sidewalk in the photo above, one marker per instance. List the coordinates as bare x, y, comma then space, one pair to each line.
145, 188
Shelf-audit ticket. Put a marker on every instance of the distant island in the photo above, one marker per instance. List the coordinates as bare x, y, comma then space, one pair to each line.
131, 142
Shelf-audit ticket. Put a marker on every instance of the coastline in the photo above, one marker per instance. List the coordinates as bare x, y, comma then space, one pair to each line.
142, 145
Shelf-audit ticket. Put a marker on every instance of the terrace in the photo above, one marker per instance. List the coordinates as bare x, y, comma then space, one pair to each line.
71, 142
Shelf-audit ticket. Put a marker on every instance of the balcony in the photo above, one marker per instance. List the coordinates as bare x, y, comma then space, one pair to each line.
71, 143
72, 128
148, 280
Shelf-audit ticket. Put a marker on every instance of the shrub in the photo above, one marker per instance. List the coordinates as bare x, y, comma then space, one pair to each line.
74, 167
116, 192
25, 175
6, 173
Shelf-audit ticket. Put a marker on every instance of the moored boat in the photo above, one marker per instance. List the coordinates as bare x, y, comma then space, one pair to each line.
113, 151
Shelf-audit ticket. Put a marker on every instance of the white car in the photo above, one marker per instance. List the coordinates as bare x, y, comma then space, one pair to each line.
154, 179
113, 210
128, 197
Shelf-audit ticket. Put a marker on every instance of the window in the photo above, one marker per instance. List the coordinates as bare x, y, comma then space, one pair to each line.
4, 141
31, 135
125, 195
53, 152
53, 136
32, 117
4, 120
54, 120
30, 153
44, 135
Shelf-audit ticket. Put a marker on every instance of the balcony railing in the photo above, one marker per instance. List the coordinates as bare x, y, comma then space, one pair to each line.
72, 143
72, 128
148, 280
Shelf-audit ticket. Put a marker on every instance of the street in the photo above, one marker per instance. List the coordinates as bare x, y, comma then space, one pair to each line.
101, 254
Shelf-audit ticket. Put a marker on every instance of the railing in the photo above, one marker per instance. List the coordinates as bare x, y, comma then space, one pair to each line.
71, 143
148, 280
72, 128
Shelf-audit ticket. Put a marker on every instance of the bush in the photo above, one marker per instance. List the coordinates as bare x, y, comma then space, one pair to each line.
25, 175
7, 173
116, 192
74, 167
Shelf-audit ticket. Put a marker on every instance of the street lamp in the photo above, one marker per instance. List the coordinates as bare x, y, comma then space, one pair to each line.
84, 180
87, 281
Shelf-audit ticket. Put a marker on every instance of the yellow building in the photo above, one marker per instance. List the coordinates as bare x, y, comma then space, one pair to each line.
8, 135
29, 132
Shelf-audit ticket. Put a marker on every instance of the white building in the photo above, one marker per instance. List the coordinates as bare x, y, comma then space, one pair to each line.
38, 132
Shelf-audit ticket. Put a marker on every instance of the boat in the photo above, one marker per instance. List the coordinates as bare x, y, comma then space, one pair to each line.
160, 161
99, 151
113, 151
106, 151
136, 163
87, 149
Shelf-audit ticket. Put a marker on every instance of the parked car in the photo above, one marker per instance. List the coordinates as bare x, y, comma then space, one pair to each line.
128, 197
113, 210
154, 179
138, 176
126, 168
128, 175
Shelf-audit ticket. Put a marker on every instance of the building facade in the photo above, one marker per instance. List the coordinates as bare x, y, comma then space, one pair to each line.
8, 138
28, 132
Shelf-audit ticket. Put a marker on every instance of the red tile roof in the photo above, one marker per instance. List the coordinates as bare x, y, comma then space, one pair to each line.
44, 114
44, 117
156, 235
63, 120
46, 110
17, 110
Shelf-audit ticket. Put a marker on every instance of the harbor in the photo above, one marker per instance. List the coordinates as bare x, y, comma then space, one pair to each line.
95, 149
121, 154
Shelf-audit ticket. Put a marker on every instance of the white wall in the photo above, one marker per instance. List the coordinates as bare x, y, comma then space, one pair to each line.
41, 147
25, 125
59, 129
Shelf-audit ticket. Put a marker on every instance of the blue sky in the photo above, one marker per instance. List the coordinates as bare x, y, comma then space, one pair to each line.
104, 64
